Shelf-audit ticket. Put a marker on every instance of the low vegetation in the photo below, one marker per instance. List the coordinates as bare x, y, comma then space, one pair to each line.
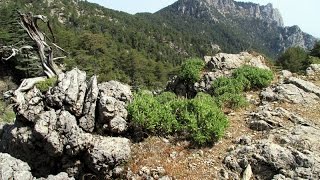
296, 59
228, 91
44, 86
6, 113
191, 70
200, 118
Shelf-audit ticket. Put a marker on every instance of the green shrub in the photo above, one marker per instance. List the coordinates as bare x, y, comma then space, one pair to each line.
6, 113
253, 77
224, 85
210, 122
294, 59
191, 70
200, 118
228, 91
314, 60
147, 112
234, 101
44, 86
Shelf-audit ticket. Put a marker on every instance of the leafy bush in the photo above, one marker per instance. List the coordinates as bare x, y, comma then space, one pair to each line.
6, 114
294, 59
200, 118
228, 91
191, 70
44, 86
234, 101
253, 77
224, 85
314, 60
148, 112
315, 50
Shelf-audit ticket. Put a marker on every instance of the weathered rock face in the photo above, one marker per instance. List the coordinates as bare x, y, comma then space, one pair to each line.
286, 153
313, 70
55, 128
217, 66
293, 90
246, 16
112, 112
12, 168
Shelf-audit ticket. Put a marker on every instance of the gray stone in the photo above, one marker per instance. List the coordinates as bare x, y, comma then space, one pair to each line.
12, 168
60, 176
32, 106
118, 125
107, 153
70, 92
290, 93
305, 85
87, 122
117, 90
314, 69
247, 173
113, 99
260, 125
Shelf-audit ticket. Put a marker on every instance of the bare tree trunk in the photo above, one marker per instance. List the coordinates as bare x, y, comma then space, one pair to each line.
29, 23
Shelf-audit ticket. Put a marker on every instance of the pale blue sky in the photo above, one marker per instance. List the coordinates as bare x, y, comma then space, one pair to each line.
305, 14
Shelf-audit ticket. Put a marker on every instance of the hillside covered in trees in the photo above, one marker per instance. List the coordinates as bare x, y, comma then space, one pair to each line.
142, 50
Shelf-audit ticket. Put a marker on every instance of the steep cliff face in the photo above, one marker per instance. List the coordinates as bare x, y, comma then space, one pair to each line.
261, 26
200, 8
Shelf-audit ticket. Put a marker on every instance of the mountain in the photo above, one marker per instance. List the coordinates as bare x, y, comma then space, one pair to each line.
258, 27
145, 49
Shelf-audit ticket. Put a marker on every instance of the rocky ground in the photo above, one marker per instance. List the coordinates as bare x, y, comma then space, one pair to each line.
78, 130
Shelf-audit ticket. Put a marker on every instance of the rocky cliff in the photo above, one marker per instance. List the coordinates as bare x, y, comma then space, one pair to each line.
261, 26
74, 128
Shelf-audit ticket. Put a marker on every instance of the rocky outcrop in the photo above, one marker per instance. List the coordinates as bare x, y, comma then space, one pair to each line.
216, 66
15, 169
292, 89
313, 70
290, 152
112, 112
61, 129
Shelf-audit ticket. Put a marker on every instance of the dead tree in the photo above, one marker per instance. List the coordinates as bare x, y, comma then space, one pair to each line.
29, 23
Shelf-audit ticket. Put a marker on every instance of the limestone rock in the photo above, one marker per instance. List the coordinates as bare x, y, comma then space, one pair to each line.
305, 85
223, 61
289, 93
12, 168
113, 98
56, 132
70, 92
314, 69
106, 154
87, 122
117, 90
32, 106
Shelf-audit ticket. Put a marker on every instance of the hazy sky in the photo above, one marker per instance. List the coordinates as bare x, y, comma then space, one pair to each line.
305, 14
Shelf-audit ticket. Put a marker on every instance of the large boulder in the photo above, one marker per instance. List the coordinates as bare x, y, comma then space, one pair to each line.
87, 122
270, 160
313, 70
293, 90
113, 99
12, 168
227, 62
61, 130
70, 92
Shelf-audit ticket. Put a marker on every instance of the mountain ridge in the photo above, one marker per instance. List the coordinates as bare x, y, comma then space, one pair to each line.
146, 49
231, 12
